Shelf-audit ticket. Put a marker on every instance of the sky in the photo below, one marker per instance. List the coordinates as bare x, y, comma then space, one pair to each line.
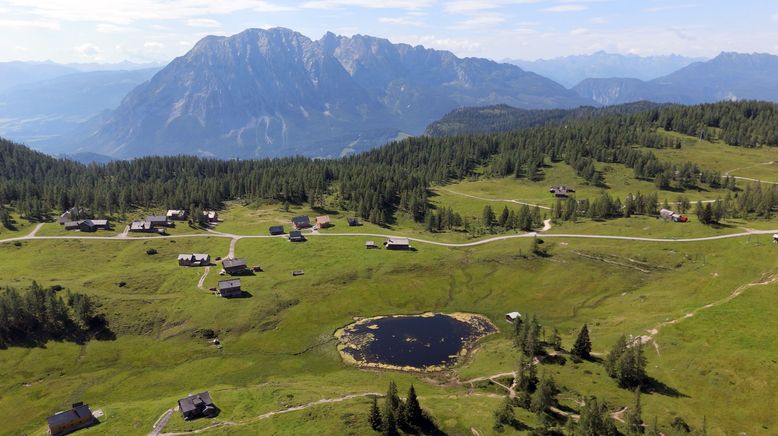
158, 30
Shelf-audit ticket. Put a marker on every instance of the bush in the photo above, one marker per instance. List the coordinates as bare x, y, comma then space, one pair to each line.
151, 251
121, 284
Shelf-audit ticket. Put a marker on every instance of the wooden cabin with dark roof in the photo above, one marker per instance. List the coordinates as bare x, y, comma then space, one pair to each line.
235, 267
229, 288
301, 222
197, 405
68, 421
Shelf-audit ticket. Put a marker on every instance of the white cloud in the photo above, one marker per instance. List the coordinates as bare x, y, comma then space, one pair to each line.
480, 21
153, 45
112, 28
124, 12
368, 4
30, 24
88, 51
466, 46
599, 20
668, 8
775, 18
203, 22
567, 8
469, 6
579, 31
400, 21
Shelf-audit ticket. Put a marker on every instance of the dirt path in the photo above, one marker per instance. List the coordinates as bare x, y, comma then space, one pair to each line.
35, 230
766, 279
277, 412
749, 178
161, 423
236, 238
202, 278
499, 200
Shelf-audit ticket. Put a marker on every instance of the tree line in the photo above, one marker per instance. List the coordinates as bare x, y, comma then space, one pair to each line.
378, 183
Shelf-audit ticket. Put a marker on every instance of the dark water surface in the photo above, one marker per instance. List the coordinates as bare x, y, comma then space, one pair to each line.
417, 341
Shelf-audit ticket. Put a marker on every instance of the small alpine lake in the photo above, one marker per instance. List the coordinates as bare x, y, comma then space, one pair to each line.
426, 342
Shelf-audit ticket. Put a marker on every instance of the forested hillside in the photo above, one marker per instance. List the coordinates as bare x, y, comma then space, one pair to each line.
504, 118
395, 177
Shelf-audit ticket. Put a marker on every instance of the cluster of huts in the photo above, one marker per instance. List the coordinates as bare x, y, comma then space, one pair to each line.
158, 223
78, 218
304, 222
80, 415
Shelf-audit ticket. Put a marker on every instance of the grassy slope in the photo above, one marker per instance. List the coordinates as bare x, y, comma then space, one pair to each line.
278, 349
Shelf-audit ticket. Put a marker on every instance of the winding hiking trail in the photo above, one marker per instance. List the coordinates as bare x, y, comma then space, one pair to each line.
547, 225
749, 178
764, 280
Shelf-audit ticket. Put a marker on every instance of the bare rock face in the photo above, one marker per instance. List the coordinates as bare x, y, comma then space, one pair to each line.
278, 93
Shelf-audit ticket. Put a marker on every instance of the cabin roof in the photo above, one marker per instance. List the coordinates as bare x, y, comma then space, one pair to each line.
67, 416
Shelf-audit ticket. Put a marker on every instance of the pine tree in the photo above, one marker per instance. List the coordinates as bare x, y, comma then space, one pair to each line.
503, 415
582, 347
413, 412
594, 420
544, 395
375, 416
633, 418
555, 341
613, 356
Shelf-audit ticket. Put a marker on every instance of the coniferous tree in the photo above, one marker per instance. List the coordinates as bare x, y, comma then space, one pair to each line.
582, 348
633, 418
503, 416
413, 412
594, 420
374, 418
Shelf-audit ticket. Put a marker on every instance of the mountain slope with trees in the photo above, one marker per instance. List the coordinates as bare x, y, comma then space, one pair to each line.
378, 183
270, 93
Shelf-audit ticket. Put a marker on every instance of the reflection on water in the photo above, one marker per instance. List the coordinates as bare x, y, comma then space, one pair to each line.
418, 342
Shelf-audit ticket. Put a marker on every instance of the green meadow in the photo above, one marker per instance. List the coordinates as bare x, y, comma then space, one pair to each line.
711, 306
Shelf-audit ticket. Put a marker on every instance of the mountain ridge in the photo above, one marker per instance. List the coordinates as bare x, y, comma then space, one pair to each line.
266, 93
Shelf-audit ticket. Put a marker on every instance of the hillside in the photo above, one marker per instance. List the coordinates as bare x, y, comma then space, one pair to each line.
571, 70
487, 238
504, 118
43, 113
729, 76
275, 92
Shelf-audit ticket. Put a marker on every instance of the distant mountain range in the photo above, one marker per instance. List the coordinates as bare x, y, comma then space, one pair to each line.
21, 72
276, 92
729, 76
571, 70
43, 112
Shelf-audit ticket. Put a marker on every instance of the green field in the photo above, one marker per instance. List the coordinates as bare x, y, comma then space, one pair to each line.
714, 305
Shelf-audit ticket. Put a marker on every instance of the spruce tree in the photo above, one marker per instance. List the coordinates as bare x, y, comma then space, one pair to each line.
633, 418
544, 396
503, 415
375, 416
594, 420
413, 412
582, 347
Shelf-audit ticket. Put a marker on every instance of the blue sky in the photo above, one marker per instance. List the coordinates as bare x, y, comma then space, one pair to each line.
158, 30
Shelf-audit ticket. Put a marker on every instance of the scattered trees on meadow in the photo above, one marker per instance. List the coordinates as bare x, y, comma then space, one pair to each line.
397, 414
626, 362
